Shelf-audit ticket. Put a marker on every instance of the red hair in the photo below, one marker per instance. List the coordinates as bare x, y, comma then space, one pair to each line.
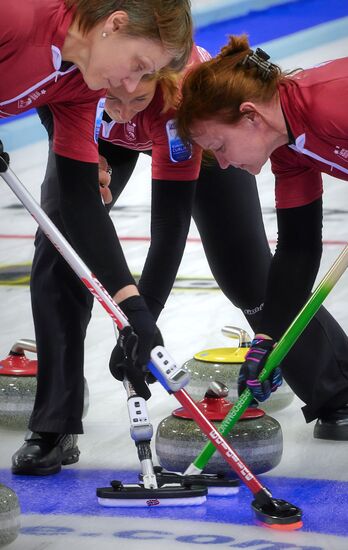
216, 89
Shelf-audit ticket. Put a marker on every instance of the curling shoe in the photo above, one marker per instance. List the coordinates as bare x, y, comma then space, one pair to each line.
44, 454
333, 425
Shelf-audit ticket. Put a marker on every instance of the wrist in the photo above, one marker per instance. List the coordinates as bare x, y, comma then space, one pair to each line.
125, 292
260, 342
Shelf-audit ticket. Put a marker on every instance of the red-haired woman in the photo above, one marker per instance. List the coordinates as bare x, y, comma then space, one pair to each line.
245, 110
64, 54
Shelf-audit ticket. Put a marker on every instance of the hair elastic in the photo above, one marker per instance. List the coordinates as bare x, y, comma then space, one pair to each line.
259, 59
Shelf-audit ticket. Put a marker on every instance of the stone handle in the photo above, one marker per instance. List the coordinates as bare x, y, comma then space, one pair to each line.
22, 345
237, 333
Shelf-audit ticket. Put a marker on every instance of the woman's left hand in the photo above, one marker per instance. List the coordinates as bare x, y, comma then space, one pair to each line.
255, 359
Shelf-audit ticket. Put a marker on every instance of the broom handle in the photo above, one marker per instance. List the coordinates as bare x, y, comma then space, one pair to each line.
277, 355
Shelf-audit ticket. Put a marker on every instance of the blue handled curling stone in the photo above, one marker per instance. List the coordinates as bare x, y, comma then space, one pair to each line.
9, 515
18, 386
257, 437
148, 492
223, 364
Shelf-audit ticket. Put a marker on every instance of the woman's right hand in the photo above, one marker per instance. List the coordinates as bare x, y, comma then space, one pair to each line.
4, 155
131, 354
104, 179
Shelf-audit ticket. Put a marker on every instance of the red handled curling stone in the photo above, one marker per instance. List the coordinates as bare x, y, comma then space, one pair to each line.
9, 515
271, 512
18, 386
223, 364
257, 437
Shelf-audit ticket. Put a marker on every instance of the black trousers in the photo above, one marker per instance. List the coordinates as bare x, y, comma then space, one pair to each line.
228, 215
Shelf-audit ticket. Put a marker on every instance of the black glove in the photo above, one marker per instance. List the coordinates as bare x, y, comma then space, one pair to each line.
3, 156
132, 351
250, 370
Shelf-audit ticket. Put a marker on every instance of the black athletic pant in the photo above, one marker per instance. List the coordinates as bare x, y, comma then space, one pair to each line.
227, 213
228, 217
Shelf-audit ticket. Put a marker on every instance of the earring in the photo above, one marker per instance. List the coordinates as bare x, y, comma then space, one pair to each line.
104, 34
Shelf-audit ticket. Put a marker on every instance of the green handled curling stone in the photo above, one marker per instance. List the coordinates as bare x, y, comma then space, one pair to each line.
18, 386
257, 437
223, 364
9, 515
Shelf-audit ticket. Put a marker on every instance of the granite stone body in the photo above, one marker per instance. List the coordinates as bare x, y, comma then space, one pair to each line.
9, 515
258, 440
18, 385
17, 394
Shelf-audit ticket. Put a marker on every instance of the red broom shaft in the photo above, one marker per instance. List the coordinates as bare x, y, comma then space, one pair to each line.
218, 440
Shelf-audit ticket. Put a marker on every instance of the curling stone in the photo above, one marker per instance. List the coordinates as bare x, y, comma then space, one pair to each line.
9, 515
223, 364
256, 437
18, 386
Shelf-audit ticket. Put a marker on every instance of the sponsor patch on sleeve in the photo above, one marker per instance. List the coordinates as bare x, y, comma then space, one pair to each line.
178, 151
98, 118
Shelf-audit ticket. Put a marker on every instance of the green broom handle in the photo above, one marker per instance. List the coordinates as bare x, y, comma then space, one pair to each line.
277, 355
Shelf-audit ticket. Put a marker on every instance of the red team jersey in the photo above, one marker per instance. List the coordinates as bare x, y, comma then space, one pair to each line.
150, 129
314, 103
32, 34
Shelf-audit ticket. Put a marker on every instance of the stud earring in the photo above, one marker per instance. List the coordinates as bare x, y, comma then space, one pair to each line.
104, 34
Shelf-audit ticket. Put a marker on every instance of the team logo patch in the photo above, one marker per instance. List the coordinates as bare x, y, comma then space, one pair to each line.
178, 151
98, 118
130, 129
26, 102
341, 152
153, 502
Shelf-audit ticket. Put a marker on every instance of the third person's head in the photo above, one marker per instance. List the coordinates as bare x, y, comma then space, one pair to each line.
230, 106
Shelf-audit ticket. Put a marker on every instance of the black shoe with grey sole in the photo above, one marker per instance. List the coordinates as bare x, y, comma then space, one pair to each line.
44, 454
333, 425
